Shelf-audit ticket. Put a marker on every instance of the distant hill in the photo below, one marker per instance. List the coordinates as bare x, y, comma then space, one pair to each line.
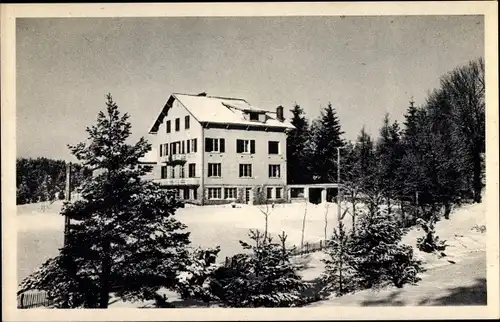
44, 179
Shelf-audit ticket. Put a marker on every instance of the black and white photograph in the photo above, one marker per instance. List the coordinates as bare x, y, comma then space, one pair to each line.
330, 160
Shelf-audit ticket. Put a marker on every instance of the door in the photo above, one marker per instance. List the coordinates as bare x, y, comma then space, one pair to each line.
247, 194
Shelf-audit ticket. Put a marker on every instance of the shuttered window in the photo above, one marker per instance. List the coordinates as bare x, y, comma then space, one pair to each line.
245, 146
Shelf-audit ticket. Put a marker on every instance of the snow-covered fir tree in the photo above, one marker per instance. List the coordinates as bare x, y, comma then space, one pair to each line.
298, 148
263, 277
339, 276
378, 255
326, 137
124, 237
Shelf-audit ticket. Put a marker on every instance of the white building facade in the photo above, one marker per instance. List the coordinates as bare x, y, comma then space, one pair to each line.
216, 150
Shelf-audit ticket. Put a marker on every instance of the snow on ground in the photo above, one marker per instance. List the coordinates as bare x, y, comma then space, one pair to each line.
40, 234
40, 227
443, 283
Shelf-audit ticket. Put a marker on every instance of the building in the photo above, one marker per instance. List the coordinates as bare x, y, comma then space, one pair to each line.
215, 150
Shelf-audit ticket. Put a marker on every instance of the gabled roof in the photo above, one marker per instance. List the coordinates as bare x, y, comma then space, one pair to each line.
223, 110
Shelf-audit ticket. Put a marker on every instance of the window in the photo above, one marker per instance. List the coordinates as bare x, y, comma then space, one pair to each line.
245, 146
297, 192
254, 116
269, 193
214, 145
172, 172
274, 171
192, 170
182, 148
214, 193
214, 169
194, 145
163, 149
230, 193
181, 171
177, 124
245, 170
278, 193
186, 122
274, 147
191, 145
164, 172
173, 148
168, 127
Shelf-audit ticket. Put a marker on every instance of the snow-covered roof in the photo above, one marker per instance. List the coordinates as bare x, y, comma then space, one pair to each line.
221, 110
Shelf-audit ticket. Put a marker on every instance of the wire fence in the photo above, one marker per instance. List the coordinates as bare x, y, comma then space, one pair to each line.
33, 299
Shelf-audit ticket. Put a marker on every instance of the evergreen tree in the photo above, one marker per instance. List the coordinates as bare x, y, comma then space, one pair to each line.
412, 170
389, 155
339, 276
265, 277
124, 237
327, 134
378, 255
298, 149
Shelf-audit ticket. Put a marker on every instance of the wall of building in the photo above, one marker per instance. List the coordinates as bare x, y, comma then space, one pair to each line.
260, 161
194, 131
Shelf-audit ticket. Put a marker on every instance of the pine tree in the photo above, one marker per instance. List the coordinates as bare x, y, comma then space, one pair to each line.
265, 277
412, 170
327, 134
339, 276
378, 256
298, 149
123, 237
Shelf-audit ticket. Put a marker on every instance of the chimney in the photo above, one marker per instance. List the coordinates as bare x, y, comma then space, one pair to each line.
279, 113
202, 94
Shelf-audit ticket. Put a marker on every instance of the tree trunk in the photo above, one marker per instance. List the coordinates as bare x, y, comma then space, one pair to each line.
447, 210
476, 180
104, 278
353, 218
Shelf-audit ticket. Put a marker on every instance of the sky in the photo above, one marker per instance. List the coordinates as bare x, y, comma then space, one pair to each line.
364, 66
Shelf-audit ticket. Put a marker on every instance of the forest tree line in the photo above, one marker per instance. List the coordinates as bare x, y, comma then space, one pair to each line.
44, 179
435, 156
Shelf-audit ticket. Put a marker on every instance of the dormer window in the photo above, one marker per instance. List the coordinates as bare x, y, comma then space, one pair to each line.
254, 116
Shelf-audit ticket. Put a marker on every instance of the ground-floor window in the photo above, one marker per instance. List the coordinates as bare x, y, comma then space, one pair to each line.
214, 193
230, 193
278, 193
297, 192
269, 193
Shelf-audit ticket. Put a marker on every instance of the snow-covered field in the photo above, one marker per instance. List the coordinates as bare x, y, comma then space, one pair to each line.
40, 229
40, 236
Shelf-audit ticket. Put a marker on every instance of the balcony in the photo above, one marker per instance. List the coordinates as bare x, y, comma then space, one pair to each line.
178, 181
174, 159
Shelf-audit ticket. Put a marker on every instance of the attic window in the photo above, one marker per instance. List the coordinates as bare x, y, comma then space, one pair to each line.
254, 116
